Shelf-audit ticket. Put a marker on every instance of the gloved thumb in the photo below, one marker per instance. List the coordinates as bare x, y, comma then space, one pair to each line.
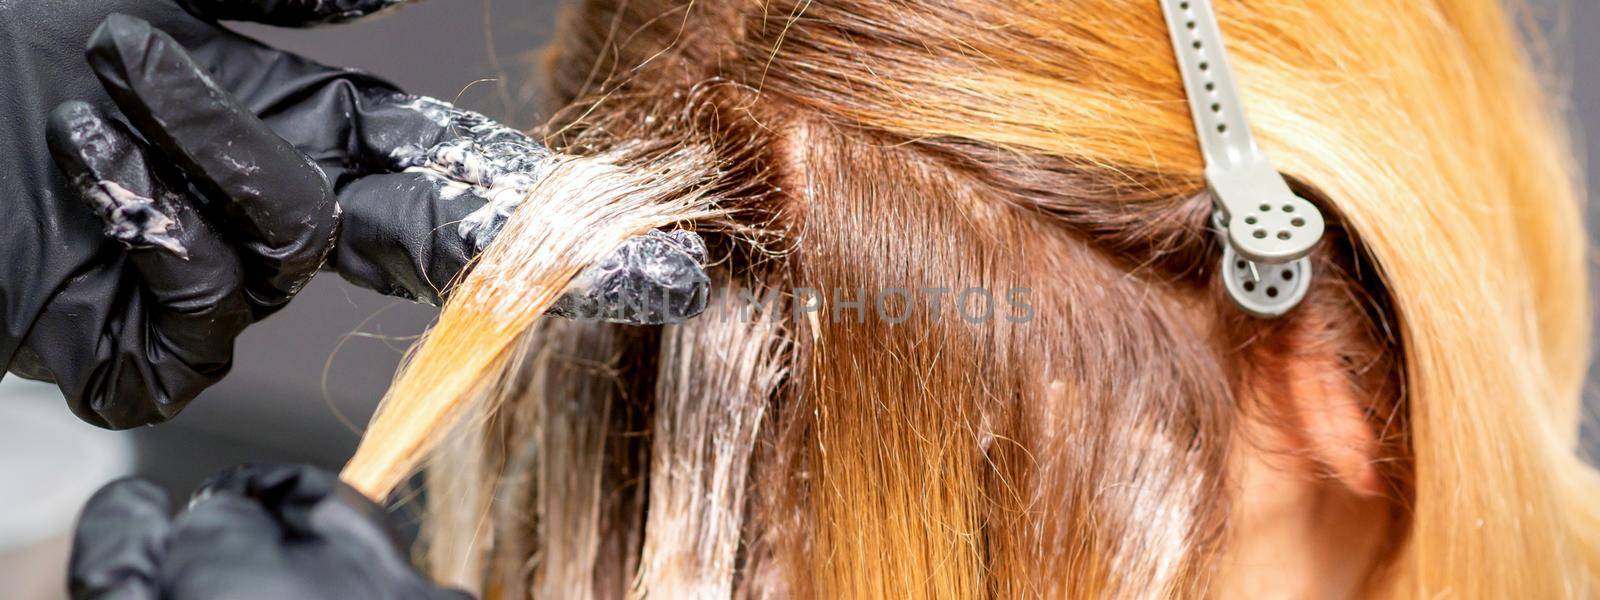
272, 198
120, 539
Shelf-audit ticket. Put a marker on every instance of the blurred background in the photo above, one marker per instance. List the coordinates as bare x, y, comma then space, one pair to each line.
310, 376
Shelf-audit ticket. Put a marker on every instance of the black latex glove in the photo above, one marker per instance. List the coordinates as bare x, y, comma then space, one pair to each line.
219, 200
267, 532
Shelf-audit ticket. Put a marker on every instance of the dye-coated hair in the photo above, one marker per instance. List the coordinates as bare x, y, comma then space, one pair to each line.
862, 145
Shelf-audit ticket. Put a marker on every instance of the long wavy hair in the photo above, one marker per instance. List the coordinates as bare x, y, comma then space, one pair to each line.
846, 147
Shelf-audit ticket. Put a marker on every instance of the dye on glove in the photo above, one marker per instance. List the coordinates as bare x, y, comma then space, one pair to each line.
184, 136
131, 334
424, 186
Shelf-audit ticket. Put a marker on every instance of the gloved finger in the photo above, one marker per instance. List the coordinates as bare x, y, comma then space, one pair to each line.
291, 493
118, 546
235, 540
344, 119
193, 304
310, 502
274, 200
288, 13
104, 163
354, 124
339, 117
230, 546
313, 509
401, 234
651, 279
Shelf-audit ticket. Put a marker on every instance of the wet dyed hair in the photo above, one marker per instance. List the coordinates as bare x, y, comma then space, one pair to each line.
855, 146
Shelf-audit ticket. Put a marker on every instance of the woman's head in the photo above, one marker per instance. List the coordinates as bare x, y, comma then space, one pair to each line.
1410, 427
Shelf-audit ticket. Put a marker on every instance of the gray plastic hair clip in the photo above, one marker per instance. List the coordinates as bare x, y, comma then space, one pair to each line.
1265, 229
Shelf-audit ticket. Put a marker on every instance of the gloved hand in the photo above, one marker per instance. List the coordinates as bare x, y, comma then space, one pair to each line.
225, 194
267, 532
